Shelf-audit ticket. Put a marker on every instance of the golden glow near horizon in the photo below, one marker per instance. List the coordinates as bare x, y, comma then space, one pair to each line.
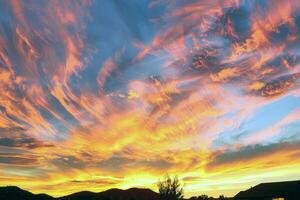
98, 94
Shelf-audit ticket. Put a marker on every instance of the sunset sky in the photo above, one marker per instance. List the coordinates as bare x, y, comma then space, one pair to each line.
116, 94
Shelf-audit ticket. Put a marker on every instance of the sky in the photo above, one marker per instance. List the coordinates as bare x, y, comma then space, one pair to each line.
116, 94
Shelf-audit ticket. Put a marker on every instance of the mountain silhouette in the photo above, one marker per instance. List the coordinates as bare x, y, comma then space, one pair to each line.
16, 193
114, 194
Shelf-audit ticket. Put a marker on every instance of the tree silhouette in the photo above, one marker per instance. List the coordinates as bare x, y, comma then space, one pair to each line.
170, 189
203, 197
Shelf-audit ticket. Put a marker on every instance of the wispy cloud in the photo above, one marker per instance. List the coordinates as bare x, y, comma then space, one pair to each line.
129, 91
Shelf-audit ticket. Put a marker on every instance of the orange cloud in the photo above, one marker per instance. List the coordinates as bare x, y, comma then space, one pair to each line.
68, 123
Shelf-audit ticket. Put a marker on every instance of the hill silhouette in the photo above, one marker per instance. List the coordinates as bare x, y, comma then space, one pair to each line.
114, 194
16, 193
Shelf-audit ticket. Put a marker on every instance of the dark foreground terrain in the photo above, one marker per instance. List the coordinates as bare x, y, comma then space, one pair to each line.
287, 190
16, 193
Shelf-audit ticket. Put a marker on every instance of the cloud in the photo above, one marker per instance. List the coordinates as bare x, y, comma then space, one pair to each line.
119, 163
280, 85
254, 153
63, 162
115, 163
91, 88
23, 141
17, 160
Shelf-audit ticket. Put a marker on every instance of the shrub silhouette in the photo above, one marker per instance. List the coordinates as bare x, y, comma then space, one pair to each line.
202, 197
170, 189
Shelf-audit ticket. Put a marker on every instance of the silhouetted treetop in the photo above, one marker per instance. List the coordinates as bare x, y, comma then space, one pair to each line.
170, 189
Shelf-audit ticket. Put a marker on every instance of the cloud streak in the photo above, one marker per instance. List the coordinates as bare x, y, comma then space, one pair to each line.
98, 95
